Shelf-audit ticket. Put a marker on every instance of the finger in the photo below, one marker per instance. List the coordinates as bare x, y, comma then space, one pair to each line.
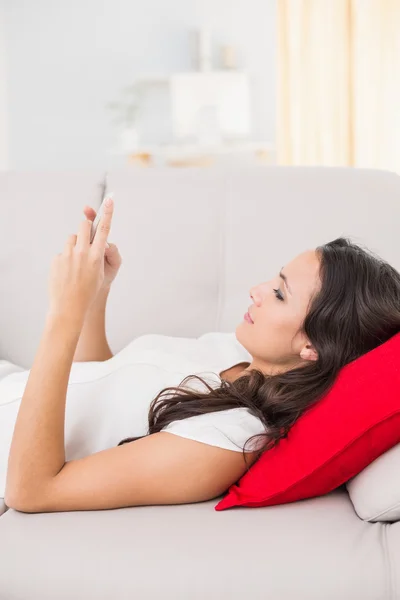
112, 250
83, 237
103, 229
70, 243
89, 213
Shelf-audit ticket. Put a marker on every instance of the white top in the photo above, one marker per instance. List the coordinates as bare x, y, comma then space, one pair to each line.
109, 400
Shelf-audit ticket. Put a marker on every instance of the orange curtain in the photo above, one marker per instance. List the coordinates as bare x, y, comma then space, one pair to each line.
339, 83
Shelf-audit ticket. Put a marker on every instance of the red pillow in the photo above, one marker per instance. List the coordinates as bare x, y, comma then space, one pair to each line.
355, 422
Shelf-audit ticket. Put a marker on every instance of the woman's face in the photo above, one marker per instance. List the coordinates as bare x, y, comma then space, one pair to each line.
274, 340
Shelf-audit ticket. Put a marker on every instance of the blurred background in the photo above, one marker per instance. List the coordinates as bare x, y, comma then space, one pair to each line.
108, 83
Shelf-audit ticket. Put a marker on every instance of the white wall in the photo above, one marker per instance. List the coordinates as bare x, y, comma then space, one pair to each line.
67, 59
3, 94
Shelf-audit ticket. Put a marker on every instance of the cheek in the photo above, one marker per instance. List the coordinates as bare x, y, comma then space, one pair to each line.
278, 315
283, 323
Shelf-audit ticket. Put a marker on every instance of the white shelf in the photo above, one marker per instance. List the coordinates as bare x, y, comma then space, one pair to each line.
195, 149
159, 78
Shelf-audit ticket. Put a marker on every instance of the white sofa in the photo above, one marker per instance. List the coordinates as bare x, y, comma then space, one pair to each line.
200, 239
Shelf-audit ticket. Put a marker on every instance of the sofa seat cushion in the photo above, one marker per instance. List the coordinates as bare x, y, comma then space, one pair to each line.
306, 550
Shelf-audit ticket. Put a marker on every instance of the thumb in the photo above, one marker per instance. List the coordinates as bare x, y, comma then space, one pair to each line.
111, 251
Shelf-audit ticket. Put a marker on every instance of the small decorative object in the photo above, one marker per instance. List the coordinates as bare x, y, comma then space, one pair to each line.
204, 50
126, 113
141, 159
228, 57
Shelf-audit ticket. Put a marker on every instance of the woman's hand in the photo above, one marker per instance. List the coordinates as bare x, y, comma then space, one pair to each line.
77, 274
112, 257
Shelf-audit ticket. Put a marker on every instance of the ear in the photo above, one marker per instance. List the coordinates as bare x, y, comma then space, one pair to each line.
308, 353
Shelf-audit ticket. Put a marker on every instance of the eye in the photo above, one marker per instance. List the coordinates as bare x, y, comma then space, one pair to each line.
278, 294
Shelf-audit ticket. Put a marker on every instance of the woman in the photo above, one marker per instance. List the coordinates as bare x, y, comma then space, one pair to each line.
325, 308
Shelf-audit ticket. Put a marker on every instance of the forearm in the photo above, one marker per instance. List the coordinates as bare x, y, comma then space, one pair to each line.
92, 344
37, 451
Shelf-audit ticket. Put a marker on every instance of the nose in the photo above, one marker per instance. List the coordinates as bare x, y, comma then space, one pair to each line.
257, 292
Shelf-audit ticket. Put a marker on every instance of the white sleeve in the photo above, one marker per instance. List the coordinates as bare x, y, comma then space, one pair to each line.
228, 429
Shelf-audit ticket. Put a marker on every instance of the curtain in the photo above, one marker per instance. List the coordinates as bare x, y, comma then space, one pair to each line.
339, 83
376, 83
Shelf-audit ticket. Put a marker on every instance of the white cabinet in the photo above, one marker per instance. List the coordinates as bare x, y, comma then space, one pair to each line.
210, 106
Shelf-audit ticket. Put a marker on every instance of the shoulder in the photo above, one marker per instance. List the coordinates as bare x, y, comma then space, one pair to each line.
229, 429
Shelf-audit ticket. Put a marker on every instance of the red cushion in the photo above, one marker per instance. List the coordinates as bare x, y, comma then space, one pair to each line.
353, 424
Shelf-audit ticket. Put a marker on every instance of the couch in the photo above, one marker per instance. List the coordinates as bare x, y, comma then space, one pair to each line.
200, 238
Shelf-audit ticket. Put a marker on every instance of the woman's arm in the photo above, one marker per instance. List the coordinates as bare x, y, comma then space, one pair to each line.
161, 468
37, 450
93, 343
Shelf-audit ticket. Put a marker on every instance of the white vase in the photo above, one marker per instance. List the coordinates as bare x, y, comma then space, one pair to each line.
204, 50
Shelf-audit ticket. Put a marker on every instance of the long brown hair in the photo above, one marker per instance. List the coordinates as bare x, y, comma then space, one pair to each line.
356, 309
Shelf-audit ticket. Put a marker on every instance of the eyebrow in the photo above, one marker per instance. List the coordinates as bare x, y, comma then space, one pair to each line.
285, 280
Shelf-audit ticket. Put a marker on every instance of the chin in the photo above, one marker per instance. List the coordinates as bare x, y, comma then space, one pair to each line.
241, 338
238, 331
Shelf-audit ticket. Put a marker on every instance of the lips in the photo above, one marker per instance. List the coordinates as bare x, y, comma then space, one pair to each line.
252, 320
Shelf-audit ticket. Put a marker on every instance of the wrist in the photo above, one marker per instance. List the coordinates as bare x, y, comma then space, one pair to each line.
100, 301
103, 293
105, 290
72, 321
